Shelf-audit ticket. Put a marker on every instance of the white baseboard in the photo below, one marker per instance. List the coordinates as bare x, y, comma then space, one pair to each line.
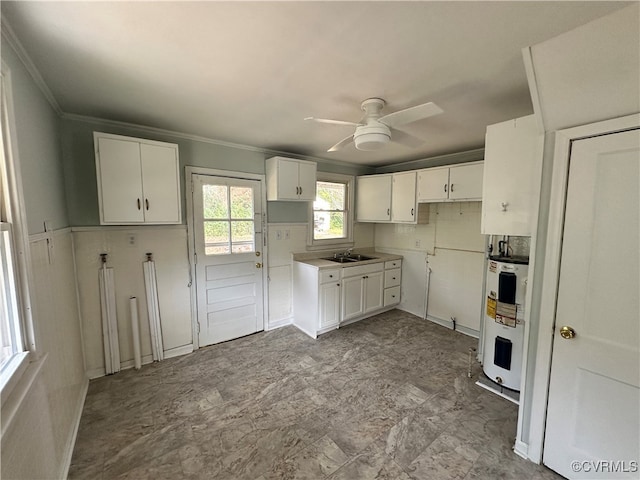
522, 449
459, 328
71, 443
283, 322
178, 351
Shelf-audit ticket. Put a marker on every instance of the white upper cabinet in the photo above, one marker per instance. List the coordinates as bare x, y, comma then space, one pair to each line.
373, 198
513, 160
433, 184
291, 180
465, 182
138, 180
458, 182
403, 197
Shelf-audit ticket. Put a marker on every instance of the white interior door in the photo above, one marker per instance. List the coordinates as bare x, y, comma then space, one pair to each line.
593, 424
228, 246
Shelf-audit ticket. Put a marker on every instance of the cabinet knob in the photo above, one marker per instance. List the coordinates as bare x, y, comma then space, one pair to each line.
138, 204
388, 211
330, 276
338, 284
504, 206
393, 278
445, 187
451, 189
146, 202
412, 212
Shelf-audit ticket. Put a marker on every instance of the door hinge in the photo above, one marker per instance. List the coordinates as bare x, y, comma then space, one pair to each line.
198, 327
195, 258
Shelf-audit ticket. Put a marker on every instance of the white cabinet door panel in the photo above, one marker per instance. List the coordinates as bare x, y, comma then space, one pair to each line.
373, 286
403, 197
287, 180
465, 182
120, 181
307, 181
352, 297
161, 180
374, 198
329, 308
433, 184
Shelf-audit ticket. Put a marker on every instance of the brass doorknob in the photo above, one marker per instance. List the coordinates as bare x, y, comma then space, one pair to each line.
258, 265
567, 332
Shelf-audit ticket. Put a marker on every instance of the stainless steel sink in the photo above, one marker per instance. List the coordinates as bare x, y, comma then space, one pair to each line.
350, 259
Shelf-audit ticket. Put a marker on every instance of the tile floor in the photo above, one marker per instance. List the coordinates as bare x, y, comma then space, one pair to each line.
384, 398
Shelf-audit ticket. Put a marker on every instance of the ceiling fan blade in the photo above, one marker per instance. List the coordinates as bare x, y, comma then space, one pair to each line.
406, 139
333, 122
341, 144
411, 114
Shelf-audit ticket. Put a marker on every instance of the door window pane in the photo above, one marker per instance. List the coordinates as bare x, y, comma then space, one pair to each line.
215, 201
229, 219
241, 202
216, 238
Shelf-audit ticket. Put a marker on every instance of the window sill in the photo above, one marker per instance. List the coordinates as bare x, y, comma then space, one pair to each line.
18, 386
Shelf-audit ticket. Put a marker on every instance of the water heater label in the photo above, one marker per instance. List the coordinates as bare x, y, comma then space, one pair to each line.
491, 307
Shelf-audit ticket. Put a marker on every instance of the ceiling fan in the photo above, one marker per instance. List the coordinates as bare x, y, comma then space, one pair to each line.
375, 130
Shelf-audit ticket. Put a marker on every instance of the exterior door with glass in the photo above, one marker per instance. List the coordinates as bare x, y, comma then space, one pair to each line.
228, 240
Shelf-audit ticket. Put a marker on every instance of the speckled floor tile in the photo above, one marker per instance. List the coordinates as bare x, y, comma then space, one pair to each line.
384, 398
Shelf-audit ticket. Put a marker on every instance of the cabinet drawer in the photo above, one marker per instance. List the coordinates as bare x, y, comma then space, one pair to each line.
391, 296
392, 264
391, 277
329, 275
361, 270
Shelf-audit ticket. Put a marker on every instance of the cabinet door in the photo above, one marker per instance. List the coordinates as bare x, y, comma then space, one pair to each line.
465, 182
433, 184
160, 184
374, 198
352, 297
119, 181
329, 308
307, 181
403, 197
287, 179
512, 163
373, 287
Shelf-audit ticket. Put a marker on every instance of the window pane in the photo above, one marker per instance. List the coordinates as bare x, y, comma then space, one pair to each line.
215, 201
328, 225
242, 236
242, 202
329, 196
9, 329
216, 238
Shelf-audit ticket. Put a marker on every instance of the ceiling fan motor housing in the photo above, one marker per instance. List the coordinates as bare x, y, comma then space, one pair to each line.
371, 136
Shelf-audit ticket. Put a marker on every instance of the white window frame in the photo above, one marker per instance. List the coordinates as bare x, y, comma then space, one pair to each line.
12, 198
349, 181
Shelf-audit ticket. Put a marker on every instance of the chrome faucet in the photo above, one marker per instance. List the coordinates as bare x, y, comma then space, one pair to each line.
347, 253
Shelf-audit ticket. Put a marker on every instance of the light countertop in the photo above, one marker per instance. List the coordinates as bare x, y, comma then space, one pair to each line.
315, 259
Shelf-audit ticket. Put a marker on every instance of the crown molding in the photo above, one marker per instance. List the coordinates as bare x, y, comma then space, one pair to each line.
9, 35
197, 138
437, 161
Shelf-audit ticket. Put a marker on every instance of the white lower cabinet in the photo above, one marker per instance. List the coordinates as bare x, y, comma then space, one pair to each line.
329, 301
324, 299
361, 290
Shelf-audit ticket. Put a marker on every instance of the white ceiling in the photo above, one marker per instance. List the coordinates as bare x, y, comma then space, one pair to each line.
249, 72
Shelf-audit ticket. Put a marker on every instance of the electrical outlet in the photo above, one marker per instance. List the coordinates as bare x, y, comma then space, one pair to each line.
286, 234
131, 239
418, 243
278, 234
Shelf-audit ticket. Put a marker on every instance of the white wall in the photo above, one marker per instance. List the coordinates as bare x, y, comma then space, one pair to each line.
39, 440
169, 247
452, 244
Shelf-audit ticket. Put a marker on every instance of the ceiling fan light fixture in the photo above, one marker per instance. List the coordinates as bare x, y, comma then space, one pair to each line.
371, 137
